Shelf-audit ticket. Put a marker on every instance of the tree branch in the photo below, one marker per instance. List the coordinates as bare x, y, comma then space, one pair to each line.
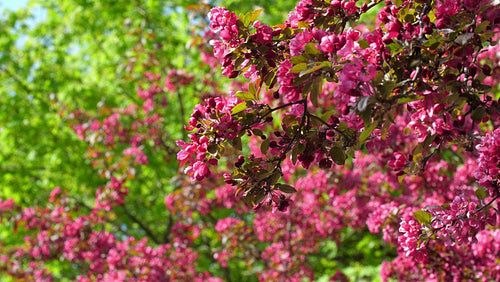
146, 229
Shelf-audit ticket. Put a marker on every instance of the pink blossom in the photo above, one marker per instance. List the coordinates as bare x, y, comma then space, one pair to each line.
140, 157
55, 192
399, 161
298, 42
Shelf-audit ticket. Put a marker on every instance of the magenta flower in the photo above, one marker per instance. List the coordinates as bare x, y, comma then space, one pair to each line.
298, 42
398, 162
367, 73
198, 170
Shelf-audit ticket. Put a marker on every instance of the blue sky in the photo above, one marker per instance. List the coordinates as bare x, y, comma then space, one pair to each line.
12, 4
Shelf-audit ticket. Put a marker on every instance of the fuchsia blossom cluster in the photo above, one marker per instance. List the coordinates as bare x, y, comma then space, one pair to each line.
177, 78
213, 124
354, 75
224, 22
409, 240
391, 129
461, 221
411, 91
488, 172
107, 257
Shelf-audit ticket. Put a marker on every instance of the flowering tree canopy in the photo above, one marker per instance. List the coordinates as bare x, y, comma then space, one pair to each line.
352, 140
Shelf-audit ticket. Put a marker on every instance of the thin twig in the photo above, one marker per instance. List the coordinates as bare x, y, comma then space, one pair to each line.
182, 113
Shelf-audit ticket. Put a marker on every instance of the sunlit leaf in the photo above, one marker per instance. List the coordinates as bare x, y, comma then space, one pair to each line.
423, 217
239, 108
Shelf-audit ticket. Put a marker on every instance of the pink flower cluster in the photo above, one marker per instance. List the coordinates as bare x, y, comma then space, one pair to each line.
486, 250
111, 195
332, 42
299, 41
461, 221
117, 136
140, 157
399, 161
224, 22
101, 254
176, 78
263, 33
455, 244
383, 218
291, 92
354, 75
488, 169
410, 241
214, 124
429, 120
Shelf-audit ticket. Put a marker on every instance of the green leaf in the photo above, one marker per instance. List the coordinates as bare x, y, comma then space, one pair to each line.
363, 43
432, 43
317, 86
478, 114
289, 119
285, 188
315, 68
306, 89
483, 88
409, 18
432, 16
298, 59
245, 96
270, 79
387, 87
299, 81
481, 27
273, 179
259, 196
423, 217
409, 99
236, 142
239, 108
366, 115
366, 133
417, 150
337, 154
252, 16
298, 68
384, 130
401, 178
403, 12
303, 24
311, 49
428, 141
481, 193
251, 89
326, 116
257, 132
300, 148
395, 48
